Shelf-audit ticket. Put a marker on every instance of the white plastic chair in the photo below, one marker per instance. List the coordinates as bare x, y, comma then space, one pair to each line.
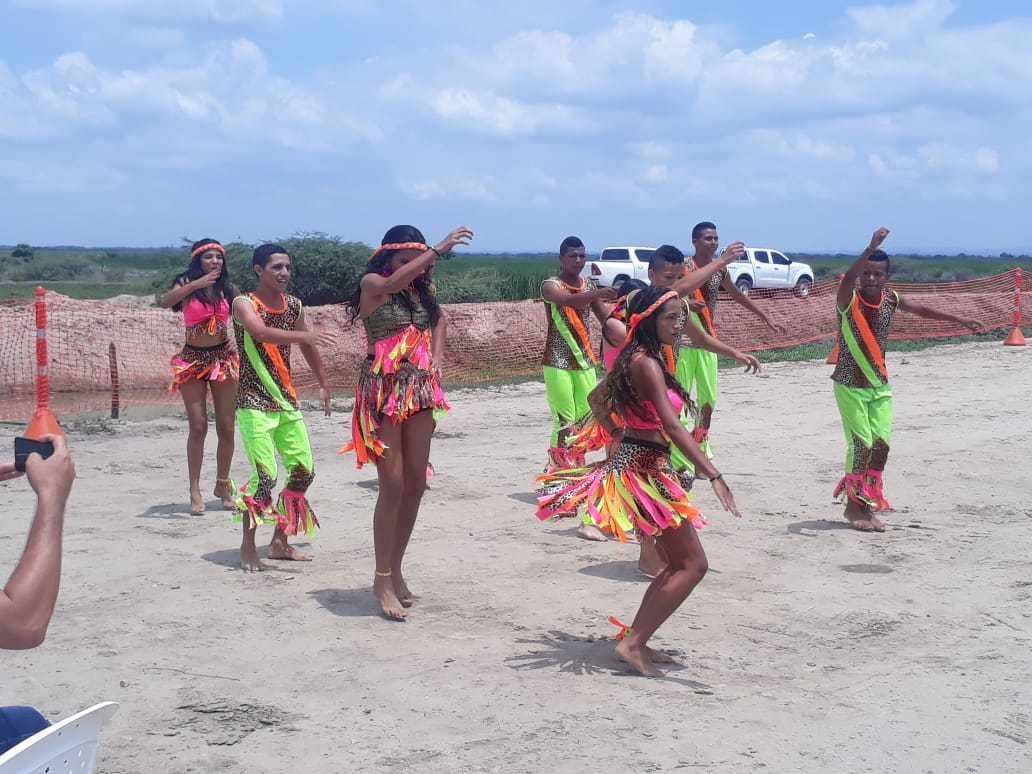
70, 745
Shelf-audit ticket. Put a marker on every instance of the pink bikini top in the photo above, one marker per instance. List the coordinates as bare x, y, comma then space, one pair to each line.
196, 312
647, 418
609, 357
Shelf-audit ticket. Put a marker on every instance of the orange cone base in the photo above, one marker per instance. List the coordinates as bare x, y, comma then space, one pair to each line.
43, 422
1015, 338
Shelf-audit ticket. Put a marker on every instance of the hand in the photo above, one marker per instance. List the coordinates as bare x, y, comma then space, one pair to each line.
209, 279
781, 330
7, 471
752, 365
460, 236
695, 305
51, 477
607, 294
878, 238
322, 338
324, 398
732, 253
973, 325
723, 493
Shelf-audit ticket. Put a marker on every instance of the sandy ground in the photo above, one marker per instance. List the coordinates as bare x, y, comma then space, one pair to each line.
809, 647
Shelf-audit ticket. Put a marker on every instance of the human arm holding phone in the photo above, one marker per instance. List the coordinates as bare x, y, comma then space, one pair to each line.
27, 601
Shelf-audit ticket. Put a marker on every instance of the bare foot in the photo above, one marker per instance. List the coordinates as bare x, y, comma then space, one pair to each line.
876, 523
249, 561
278, 550
196, 503
591, 532
860, 518
390, 605
658, 656
225, 496
638, 658
401, 589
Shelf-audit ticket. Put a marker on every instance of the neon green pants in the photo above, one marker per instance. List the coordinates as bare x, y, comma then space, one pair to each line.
567, 392
867, 421
698, 368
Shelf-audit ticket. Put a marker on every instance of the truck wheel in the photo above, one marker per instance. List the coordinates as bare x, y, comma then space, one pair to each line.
803, 287
744, 284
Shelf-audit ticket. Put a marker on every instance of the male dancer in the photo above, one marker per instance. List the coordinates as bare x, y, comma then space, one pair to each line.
697, 365
569, 362
862, 389
267, 322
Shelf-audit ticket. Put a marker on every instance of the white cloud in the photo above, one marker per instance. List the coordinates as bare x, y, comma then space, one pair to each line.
943, 156
902, 20
657, 173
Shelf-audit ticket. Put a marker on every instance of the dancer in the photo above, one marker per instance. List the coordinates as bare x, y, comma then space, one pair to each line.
697, 366
861, 380
203, 294
266, 323
569, 363
398, 393
636, 489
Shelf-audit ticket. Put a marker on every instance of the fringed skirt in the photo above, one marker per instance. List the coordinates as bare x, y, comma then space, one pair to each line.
213, 364
390, 396
634, 490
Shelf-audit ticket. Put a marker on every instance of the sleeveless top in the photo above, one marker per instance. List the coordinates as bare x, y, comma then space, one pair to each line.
567, 345
863, 333
708, 295
201, 317
392, 318
645, 417
265, 383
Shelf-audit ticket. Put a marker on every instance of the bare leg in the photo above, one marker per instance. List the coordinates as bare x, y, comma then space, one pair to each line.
223, 395
279, 548
195, 399
686, 567
416, 433
389, 472
650, 558
249, 561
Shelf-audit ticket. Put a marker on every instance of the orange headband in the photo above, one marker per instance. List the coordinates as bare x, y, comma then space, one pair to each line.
637, 318
400, 246
206, 247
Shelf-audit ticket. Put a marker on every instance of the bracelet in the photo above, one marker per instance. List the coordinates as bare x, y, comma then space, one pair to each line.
717, 477
436, 251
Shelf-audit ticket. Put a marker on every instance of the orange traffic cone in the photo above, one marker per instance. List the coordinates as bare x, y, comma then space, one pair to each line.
43, 422
1015, 338
833, 357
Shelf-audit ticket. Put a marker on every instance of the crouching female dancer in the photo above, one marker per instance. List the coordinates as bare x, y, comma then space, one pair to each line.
636, 488
398, 393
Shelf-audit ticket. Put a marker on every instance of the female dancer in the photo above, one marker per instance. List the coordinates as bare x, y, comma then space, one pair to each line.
203, 294
399, 393
636, 487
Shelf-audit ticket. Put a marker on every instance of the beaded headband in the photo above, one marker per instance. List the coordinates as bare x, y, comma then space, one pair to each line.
637, 318
400, 246
206, 247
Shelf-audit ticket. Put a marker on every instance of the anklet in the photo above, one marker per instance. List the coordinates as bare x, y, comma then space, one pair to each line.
624, 628
383, 574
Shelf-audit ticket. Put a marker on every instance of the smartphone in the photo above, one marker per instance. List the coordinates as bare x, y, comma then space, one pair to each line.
23, 447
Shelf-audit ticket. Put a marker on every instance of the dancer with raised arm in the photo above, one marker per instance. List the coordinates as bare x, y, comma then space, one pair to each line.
267, 322
635, 488
207, 361
861, 378
399, 393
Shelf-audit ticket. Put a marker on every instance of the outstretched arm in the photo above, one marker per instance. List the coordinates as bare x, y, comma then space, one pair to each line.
27, 601
702, 340
310, 352
739, 297
551, 291
244, 313
695, 279
907, 305
848, 282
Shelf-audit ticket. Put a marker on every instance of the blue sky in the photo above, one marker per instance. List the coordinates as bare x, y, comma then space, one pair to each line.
802, 125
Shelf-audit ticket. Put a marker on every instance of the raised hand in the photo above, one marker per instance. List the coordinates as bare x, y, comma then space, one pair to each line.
460, 236
52, 477
732, 253
878, 237
210, 278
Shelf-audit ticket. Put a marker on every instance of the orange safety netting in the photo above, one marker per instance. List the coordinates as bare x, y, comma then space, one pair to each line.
96, 344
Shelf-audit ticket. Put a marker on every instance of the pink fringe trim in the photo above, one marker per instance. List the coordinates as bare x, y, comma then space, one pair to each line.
296, 513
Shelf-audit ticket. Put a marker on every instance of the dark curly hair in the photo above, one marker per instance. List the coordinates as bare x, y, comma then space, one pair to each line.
381, 264
617, 388
223, 287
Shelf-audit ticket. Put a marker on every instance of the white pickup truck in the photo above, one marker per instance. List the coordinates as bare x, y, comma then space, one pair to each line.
762, 267
614, 261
